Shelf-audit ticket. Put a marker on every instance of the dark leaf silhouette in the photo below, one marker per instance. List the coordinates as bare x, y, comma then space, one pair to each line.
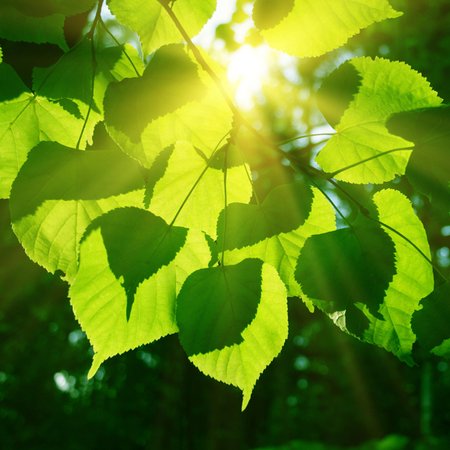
347, 266
169, 81
150, 244
284, 209
267, 13
215, 305
429, 165
55, 172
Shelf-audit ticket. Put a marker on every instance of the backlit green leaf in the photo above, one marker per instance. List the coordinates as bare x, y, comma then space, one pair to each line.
154, 26
98, 294
390, 327
413, 279
15, 25
71, 76
200, 208
241, 364
215, 305
314, 27
59, 191
204, 123
363, 148
283, 249
284, 209
151, 244
24, 122
347, 266
170, 81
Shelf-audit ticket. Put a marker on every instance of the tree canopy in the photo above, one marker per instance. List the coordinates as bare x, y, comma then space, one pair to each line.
133, 173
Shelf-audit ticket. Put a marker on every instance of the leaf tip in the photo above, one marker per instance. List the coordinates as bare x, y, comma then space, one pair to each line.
246, 396
97, 361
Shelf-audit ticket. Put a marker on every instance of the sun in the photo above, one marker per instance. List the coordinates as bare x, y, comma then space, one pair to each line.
248, 69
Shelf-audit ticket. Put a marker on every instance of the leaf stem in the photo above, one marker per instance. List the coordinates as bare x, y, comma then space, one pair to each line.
91, 37
250, 179
366, 213
200, 59
304, 136
225, 176
198, 179
35, 94
323, 192
189, 195
371, 158
103, 24
240, 119
97, 18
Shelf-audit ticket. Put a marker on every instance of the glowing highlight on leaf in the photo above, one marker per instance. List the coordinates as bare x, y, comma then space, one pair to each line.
242, 364
361, 150
314, 27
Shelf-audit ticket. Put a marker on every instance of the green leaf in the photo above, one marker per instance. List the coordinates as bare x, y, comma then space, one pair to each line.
430, 324
338, 91
314, 27
228, 155
204, 123
241, 364
282, 250
429, 166
187, 170
215, 306
70, 79
143, 230
71, 76
11, 86
99, 298
363, 148
59, 191
18, 26
347, 266
170, 81
49, 7
390, 327
284, 209
267, 13
154, 26
27, 119
24, 122
412, 282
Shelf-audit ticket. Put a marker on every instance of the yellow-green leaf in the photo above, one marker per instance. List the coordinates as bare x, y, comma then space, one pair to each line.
314, 27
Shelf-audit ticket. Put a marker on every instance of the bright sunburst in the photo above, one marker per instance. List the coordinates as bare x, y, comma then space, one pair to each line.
248, 69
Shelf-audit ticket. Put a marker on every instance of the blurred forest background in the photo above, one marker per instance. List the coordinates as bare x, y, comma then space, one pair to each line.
325, 391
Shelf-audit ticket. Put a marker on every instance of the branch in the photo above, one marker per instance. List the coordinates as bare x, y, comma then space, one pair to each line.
200, 59
90, 36
242, 121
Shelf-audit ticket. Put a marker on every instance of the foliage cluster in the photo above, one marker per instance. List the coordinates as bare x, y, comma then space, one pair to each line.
132, 175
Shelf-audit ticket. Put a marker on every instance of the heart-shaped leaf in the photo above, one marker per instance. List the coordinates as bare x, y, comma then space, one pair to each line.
284, 209
215, 305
